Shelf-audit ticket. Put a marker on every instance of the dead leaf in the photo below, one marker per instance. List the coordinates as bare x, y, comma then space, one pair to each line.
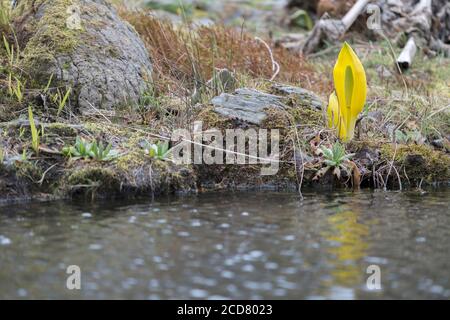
356, 175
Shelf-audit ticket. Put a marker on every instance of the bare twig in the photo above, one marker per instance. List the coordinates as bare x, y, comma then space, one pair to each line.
41, 181
275, 65
390, 168
438, 111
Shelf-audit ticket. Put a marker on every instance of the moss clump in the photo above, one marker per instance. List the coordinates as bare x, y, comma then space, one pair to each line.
306, 116
130, 141
60, 130
133, 159
47, 36
170, 178
276, 119
90, 175
27, 170
112, 130
93, 180
212, 119
420, 162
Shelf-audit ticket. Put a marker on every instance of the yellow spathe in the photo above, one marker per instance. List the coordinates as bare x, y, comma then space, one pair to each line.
347, 102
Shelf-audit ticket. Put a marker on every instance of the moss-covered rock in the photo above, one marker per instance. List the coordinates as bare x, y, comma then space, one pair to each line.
282, 109
418, 163
85, 46
92, 180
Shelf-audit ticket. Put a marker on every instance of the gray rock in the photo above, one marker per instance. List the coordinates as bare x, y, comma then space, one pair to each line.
87, 47
250, 105
246, 104
305, 97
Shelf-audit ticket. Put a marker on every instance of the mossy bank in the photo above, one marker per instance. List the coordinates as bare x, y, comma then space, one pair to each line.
107, 86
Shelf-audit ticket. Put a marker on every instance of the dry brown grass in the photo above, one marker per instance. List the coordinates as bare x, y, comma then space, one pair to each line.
239, 51
183, 57
167, 48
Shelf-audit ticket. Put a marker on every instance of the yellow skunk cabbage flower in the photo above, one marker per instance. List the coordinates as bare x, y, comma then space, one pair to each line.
351, 88
333, 111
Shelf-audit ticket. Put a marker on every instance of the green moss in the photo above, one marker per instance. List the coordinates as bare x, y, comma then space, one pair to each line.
170, 178
161, 166
27, 170
133, 159
306, 116
66, 65
61, 130
98, 128
212, 119
50, 36
419, 162
91, 180
276, 119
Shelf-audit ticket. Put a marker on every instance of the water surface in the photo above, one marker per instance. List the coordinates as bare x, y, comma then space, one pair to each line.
230, 245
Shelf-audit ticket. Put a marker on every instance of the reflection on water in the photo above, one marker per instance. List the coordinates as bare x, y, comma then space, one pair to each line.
350, 246
230, 245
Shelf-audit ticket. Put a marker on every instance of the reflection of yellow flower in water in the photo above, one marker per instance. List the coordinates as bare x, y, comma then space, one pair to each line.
349, 235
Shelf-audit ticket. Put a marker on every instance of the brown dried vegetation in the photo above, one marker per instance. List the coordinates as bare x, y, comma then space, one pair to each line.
189, 56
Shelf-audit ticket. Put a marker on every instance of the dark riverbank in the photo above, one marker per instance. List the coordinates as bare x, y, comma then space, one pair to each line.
218, 74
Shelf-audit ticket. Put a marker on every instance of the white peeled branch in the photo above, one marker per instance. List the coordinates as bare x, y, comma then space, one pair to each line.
423, 10
332, 29
354, 12
407, 55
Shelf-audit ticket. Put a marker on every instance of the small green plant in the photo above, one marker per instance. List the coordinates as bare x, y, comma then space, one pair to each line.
18, 90
101, 153
158, 151
409, 137
35, 140
21, 132
47, 87
85, 150
80, 149
62, 100
9, 51
150, 98
301, 18
15, 88
2, 156
59, 98
24, 157
149, 101
335, 158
